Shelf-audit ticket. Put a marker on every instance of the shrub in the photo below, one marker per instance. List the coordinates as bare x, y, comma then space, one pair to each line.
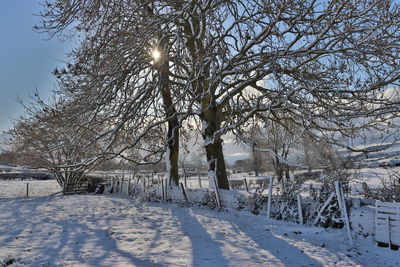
390, 189
331, 217
285, 201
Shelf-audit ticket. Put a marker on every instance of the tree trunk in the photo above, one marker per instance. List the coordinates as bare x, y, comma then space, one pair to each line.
216, 163
173, 151
287, 172
173, 124
285, 165
279, 174
213, 146
210, 117
278, 167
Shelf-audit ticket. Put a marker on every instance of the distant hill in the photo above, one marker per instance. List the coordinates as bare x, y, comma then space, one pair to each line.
377, 155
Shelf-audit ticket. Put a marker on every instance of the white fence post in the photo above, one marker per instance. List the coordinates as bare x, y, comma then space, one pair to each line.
300, 210
166, 189
271, 179
342, 206
143, 184
212, 178
128, 191
323, 208
162, 190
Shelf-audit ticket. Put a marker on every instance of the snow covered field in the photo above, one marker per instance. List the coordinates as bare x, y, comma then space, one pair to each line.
101, 230
36, 188
372, 176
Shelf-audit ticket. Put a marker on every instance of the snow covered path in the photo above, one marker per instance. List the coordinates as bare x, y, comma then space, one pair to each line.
95, 230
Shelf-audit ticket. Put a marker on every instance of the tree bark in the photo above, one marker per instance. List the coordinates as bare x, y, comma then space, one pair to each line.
213, 146
287, 172
170, 111
216, 163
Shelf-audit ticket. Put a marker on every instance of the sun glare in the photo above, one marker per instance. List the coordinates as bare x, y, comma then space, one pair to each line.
156, 54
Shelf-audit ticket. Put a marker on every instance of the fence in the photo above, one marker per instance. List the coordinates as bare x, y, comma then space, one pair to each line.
387, 224
72, 188
22, 188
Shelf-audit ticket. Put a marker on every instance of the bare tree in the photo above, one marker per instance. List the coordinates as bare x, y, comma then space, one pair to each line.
319, 154
125, 59
277, 141
46, 137
324, 65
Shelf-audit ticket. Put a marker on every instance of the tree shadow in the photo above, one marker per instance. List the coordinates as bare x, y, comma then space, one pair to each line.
205, 250
287, 252
210, 245
67, 237
76, 234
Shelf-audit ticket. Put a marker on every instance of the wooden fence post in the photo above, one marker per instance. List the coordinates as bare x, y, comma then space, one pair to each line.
184, 193
27, 189
342, 206
199, 178
323, 208
185, 179
162, 190
129, 186
216, 190
245, 184
166, 186
143, 184
300, 210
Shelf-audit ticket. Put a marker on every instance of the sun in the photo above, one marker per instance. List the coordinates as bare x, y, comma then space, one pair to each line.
156, 54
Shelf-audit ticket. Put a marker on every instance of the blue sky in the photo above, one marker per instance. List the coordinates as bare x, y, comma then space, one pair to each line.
26, 57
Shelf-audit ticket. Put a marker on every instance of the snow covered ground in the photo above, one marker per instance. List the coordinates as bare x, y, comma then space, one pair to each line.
36, 188
103, 230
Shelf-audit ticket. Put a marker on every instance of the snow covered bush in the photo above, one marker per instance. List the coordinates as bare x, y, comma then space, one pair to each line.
390, 188
236, 184
387, 191
284, 206
327, 184
331, 217
95, 183
260, 183
210, 200
257, 201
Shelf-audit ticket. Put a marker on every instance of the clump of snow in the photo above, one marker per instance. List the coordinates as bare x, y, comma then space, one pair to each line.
208, 141
204, 127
